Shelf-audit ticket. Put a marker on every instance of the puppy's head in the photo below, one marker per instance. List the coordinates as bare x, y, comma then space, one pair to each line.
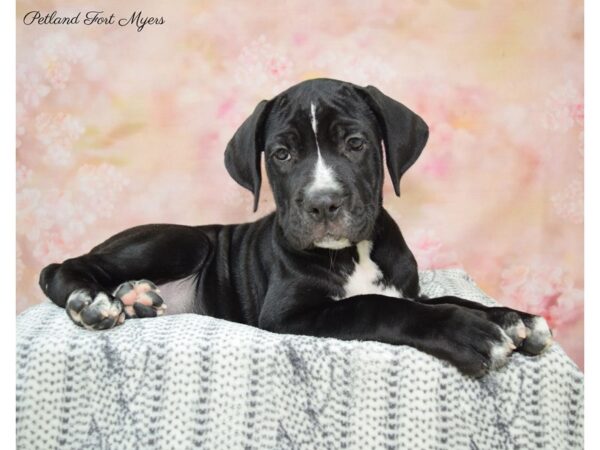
323, 142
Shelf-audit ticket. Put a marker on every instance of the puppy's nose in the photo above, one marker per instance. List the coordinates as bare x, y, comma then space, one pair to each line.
323, 205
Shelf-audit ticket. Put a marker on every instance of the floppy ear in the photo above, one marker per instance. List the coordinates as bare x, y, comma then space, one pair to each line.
404, 133
242, 155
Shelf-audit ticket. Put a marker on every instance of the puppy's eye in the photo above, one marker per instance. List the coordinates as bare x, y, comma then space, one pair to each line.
282, 154
355, 143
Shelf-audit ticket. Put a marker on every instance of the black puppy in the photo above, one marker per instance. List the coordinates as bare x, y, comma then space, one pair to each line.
329, 262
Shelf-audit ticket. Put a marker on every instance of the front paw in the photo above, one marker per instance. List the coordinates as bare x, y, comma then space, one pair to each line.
94, 311
529, 333
473, 344
539, 336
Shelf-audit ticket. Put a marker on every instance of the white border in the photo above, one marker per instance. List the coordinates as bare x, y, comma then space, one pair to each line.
7, 180
592, 224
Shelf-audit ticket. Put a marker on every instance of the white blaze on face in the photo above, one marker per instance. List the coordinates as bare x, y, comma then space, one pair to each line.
323, 176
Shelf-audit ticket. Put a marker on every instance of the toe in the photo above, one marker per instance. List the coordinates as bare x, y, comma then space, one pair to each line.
144, 311
517, 332
160, 310
129, 311
511, 322
539, 336
78, 300
106, 323
96, 311
155, 298
501, 351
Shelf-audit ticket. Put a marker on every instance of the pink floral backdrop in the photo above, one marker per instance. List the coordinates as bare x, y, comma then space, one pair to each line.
117, 127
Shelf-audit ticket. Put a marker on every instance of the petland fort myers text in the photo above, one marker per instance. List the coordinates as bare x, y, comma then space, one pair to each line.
136, 19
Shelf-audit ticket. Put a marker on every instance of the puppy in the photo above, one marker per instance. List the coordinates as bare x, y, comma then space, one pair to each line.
330, 261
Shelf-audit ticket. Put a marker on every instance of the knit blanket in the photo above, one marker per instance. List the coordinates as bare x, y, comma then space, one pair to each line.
189, 381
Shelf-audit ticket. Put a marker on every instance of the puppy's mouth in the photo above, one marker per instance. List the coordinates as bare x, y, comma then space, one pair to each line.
332, 242
343, 232
333, 235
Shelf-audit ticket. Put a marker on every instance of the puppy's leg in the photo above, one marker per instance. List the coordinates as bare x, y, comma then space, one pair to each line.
530, 333
473, 344
97, 288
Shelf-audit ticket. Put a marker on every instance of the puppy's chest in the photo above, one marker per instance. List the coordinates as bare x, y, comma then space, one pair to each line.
366, 277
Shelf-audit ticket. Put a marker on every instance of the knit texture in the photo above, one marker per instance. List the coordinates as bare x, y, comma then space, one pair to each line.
189, 381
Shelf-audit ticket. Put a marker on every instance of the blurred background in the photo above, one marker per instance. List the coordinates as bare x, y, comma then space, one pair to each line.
117, 127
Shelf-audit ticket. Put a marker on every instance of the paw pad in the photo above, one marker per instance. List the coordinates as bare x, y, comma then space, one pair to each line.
140, 299
94, 312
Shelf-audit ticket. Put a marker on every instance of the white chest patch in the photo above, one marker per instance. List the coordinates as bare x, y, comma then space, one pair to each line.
367, 277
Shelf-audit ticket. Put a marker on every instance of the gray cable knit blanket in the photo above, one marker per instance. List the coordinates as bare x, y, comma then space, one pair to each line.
188, 381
